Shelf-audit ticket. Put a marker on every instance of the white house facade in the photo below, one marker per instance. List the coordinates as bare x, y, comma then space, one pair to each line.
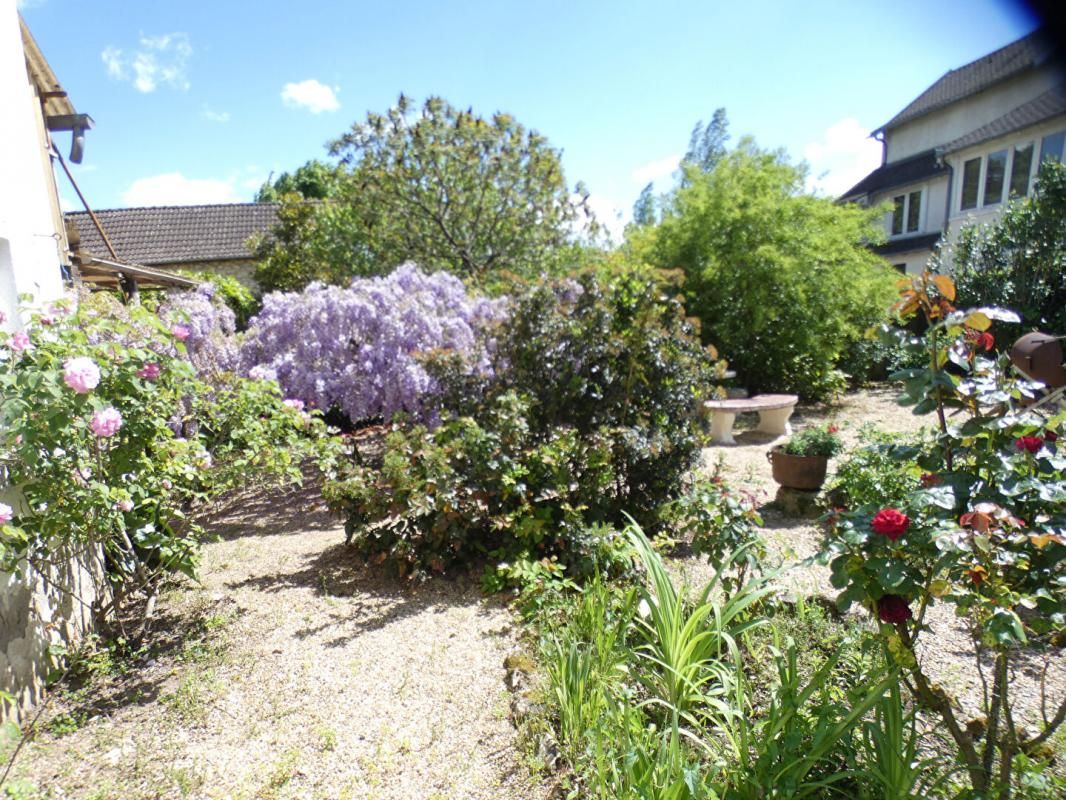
966, 146
33, 246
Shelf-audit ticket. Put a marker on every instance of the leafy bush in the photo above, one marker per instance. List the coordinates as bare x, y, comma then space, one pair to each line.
473, 488
589, 408
102, 447
880, 471
821, 440
618, 355
783, 282
721, 524
357, 349
984, 531
1018, 261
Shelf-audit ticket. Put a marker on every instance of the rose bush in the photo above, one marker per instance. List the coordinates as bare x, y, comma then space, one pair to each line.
984, 529
107, 435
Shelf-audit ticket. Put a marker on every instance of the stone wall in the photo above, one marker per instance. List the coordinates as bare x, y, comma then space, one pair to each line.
40, 611
43, 610
241, 269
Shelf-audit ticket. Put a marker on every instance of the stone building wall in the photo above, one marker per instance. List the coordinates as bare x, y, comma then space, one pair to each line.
41, 611
241, 269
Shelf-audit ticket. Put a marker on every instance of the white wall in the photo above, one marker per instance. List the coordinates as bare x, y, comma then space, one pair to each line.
30, 250
943, 126
934, 204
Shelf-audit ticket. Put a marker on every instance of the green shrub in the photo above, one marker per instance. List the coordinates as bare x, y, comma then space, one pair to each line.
879, 471
783, 282
721, 525
477, 488
821, 440
616, 355
592, 409
1018, 261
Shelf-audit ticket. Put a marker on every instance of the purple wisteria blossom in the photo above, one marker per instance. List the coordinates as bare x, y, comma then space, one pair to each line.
357, 348
206, 325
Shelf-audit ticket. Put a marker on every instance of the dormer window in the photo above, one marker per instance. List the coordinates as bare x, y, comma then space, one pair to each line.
906, 213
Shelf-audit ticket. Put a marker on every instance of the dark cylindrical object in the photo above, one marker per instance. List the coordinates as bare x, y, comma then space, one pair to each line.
1039, 356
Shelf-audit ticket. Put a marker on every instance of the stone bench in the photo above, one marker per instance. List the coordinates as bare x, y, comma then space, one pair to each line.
774, 413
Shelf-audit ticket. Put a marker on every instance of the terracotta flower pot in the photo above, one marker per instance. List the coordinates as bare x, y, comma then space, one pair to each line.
797, 472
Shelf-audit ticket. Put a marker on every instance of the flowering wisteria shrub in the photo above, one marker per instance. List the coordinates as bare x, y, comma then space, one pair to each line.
359, 348
206, 325
590, 409
981, 527
88, 441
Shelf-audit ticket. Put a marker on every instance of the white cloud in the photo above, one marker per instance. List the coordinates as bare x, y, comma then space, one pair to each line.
174, 189
310, 94
845, 155
21, 5
215, 116
158, 60
653, 170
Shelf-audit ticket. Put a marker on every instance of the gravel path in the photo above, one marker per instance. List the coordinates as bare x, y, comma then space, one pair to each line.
300, 674
946, 650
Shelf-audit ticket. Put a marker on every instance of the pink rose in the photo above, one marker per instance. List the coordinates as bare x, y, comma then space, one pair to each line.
124, 505
106, 422
6, 513
21, 341
149, 372
3, 317
296, 404
81, 374
181, 332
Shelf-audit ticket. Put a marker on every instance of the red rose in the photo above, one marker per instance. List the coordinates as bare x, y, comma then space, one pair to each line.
1030, 443
929, 479
832, 429
986, 341
890, 522
1050, 437
892, 609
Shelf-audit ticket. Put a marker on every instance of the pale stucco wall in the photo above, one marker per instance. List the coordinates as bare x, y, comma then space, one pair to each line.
31, 247
35, 613
940, 127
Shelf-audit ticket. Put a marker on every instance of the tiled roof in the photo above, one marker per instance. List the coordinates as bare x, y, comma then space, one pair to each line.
1024, 54
1050, 104
176, 234
916, 168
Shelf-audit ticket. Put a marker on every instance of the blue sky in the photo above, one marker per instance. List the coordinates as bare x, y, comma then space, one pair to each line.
199, 101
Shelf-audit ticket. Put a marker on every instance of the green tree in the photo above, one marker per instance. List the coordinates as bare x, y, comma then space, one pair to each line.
782, 281
446, 188
1019, 261
315, 180
707, 144
644, 208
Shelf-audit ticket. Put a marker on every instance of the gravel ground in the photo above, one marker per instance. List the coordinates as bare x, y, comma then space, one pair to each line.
294, 672
947, 649
307, 676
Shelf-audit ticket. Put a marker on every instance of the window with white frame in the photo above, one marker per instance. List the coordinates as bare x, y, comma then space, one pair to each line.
1052, 146
986, 178
906, 212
